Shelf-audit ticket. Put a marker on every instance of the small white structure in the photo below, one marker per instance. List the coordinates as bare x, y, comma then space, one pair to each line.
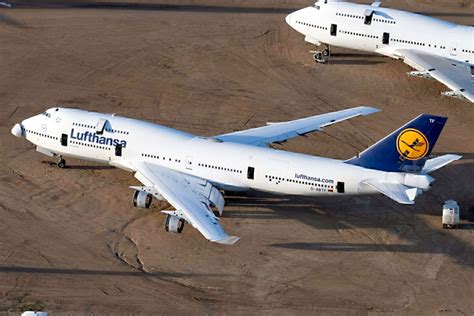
32, 313
450, 214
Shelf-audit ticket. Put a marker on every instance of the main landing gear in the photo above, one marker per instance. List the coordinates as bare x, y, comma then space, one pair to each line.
61, 163
322, 57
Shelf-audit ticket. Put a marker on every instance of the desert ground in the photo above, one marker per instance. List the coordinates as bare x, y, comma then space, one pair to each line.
71, 241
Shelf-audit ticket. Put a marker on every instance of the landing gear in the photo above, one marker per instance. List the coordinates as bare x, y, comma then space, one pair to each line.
322, 57
61, 163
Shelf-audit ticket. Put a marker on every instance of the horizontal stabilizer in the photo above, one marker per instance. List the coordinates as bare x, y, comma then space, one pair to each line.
439, 162
396, 191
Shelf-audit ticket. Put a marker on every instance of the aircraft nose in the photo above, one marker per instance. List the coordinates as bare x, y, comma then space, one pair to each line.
288, 19
17, 130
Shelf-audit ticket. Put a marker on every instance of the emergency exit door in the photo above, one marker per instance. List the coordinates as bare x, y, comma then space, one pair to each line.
453, 50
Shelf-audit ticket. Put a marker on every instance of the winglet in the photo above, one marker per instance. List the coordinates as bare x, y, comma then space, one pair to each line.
229, 240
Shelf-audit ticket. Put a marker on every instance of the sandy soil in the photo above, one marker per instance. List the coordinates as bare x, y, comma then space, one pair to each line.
70, 240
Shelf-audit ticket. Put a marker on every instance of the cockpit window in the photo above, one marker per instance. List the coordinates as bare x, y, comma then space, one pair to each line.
46, 114
316, 6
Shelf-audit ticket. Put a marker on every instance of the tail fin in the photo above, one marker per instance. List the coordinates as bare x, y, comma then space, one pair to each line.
406, 149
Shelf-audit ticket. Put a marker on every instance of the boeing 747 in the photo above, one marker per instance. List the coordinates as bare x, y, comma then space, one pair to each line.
436, 49
190, 172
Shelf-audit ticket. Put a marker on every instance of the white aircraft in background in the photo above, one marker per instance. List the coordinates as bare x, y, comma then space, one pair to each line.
437, 49
190, 171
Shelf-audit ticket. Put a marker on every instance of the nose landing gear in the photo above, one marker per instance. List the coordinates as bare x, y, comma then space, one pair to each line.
61, 163
322, 57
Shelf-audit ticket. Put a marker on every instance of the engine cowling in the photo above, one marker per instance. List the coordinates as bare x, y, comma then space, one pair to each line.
142, 199
174, 224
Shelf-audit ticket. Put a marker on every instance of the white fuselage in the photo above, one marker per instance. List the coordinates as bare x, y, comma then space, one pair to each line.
343, 24
225, 164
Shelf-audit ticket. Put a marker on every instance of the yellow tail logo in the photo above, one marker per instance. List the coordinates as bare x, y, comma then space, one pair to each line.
412, 144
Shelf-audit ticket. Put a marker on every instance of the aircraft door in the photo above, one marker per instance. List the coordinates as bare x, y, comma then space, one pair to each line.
333, 30
118, 150
454, 49
386, 38
340, 187
63, 139
189, 163
368, 15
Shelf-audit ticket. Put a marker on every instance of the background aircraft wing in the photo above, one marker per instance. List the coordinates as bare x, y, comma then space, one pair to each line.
190, 196
280, 132
454, 74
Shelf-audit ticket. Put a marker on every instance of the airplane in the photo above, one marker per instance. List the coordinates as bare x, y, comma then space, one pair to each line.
436, 49
190, 172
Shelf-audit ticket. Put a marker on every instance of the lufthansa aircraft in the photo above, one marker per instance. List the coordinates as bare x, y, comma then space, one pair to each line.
191, 171
437, 49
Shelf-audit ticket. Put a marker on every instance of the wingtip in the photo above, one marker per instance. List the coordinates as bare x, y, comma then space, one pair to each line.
229, 240
370, 109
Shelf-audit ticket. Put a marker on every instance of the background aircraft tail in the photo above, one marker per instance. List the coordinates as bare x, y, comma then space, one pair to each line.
405, 150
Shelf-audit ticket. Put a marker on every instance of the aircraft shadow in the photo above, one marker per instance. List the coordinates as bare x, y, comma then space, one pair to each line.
462, 258
35, 270
144, 6
80, 167
355, 59
447, 14
354, 62
377, 211
148, 7
359, 55
465, 156
5, 19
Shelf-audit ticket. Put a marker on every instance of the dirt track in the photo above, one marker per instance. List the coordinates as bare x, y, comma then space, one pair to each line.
71, 241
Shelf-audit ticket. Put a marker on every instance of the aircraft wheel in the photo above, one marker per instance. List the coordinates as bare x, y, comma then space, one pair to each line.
62, 163
318, 57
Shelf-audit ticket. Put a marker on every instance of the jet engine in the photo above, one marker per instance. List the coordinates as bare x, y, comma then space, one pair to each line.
174, 224
142, 199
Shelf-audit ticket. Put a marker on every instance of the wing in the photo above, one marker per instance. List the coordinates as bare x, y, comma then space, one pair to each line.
454, 74
280, 132
192, 198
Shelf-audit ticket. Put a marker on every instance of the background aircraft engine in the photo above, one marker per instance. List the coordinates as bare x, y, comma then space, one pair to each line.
142, 199
174, 224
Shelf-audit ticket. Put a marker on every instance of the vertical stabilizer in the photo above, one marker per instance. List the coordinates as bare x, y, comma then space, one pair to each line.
406, 149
